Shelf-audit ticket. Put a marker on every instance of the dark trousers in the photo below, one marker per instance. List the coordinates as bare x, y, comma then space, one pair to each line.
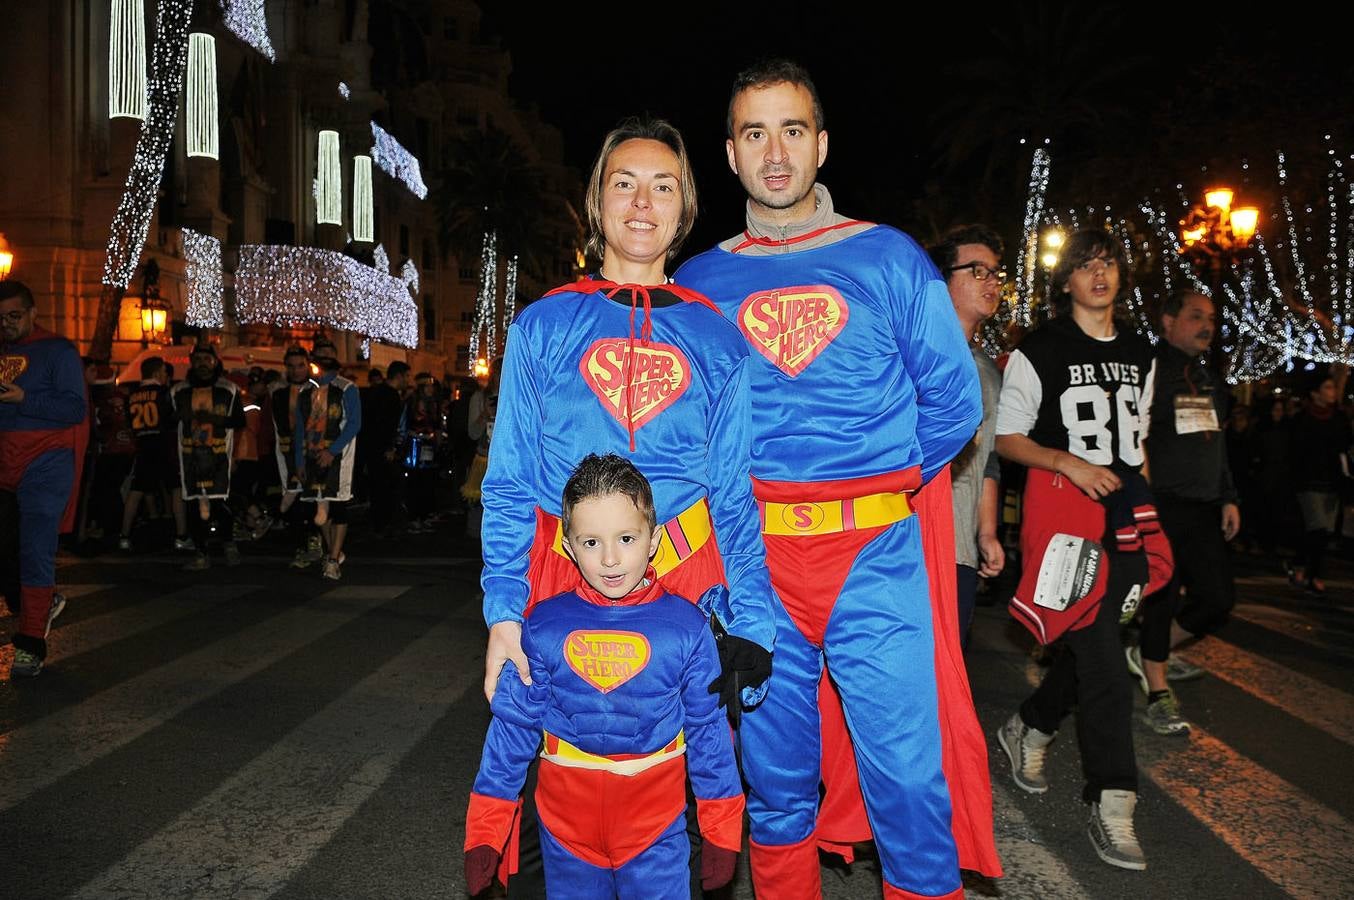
966, 580
1203, 567
1089, 674
422, 495
219, 524
383, 485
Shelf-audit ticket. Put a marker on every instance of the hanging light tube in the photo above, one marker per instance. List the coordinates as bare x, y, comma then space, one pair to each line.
127, 60
363, 216
203, 137
329, 181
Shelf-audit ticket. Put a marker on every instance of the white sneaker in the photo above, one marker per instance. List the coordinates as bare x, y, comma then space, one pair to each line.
58, 604
332, 570
1026, 748
1111, 830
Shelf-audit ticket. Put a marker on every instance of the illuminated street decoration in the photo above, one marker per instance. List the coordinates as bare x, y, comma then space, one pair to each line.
363, 216
127, 60
202, 275
409, 275
328, 181
247, 20
396, 161
1029, 247
201, 122
510, 295
284, 285
344, 92
483, 335
132, 217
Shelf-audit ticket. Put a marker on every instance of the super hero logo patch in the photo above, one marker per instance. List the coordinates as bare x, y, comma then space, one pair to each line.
659, 374
790, 326
606, 659
11, 367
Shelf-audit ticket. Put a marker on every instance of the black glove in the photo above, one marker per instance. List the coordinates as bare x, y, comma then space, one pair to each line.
742, 663
480, 865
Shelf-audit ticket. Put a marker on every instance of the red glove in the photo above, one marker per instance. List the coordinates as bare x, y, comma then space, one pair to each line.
716, 866
480, 865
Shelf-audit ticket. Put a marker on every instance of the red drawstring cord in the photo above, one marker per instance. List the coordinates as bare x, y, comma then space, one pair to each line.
646, 331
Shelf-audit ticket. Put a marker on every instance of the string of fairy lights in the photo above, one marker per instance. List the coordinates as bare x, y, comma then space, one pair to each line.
132, 217
248, 21
510, 294
202, 277
282, 285
391, 157
483, 331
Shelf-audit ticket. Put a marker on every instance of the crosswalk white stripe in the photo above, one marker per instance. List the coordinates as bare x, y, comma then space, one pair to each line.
1296, 842
310, 782
1303, 697
1031, 869
126, 621
40, 753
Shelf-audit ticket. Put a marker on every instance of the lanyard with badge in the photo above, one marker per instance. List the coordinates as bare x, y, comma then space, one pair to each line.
1195, 414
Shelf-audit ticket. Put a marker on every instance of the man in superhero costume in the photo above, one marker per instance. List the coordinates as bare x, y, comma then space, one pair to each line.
43, 434
207, 408
328, 418
627, 363
620, 669
862, 390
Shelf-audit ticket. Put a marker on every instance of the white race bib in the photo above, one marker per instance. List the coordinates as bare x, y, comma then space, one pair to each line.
1067, 572
1195, 414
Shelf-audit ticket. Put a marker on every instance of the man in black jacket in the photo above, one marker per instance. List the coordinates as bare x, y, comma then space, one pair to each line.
1197, 503
380, 432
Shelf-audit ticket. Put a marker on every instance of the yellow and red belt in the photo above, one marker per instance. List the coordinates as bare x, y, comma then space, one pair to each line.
833, 516
682, 537
563, 753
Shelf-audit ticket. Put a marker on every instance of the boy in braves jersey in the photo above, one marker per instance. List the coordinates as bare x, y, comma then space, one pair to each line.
862, 391
628, 363
1074, 409
620, 669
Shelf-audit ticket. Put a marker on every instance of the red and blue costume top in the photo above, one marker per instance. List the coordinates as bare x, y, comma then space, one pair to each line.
684, 422
620, 691
860, 365
52, 414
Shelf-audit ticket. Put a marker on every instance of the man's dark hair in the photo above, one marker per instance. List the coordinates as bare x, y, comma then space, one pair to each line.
375, 372
599, 476
18, 289
767, 72
152, 366
295, 350
1175, 301
945, 254
1081, 246
396, 369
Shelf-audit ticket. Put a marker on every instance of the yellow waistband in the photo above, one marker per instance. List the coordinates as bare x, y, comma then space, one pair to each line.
681, 538
833, 516
563, 753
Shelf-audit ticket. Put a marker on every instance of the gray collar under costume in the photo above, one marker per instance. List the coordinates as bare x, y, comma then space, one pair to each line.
763, 238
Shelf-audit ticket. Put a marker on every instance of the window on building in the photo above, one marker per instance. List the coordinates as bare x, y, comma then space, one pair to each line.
404, 240
462, 357
429, 318
467, 317
429, 255
465, 274
467, 118
451, 29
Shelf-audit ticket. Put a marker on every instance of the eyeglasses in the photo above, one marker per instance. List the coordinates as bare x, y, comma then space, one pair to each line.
980, 272
15, 317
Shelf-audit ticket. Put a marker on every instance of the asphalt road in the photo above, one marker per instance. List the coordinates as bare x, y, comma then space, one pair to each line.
256, 731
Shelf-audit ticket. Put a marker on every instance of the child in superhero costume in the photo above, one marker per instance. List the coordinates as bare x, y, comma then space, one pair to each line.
620, 669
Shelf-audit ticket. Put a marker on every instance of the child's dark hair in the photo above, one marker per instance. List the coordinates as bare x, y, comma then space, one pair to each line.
598, 476
1080, 247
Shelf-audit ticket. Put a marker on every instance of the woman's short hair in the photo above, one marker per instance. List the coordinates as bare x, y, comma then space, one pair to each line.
649, 129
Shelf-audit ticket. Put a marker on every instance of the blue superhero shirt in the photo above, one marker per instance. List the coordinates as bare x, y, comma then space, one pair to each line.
562, 396
859, 366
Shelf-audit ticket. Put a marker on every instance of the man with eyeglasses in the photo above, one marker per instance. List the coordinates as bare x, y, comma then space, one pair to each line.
970, 259
42, 443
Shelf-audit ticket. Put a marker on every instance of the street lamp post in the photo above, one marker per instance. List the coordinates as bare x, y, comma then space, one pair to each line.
1216, 235
154, 311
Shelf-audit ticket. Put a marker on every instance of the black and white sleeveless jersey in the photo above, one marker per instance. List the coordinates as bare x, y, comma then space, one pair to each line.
1090, 397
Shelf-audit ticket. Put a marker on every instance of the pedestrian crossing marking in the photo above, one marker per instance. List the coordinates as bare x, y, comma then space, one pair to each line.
262, 825
48, 749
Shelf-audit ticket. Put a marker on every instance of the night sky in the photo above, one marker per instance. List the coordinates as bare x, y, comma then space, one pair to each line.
925, 110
